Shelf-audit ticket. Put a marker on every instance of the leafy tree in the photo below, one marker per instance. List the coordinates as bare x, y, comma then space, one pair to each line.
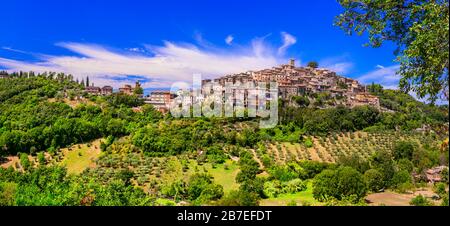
420, 28
400, 178
313, 64
404, 149
374, 180
384, 163
201, 188
138, 90
406, 165
341, 183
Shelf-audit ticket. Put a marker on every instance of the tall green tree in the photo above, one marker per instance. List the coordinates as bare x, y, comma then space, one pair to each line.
419, 28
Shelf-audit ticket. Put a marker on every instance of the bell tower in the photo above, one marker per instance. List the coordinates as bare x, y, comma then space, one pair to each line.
292, 63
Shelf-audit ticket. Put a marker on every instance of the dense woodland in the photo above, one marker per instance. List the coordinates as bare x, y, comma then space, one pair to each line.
36, 117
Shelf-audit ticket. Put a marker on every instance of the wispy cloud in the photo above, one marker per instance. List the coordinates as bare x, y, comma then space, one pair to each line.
386, 76
160, 65
288, 40
229, 39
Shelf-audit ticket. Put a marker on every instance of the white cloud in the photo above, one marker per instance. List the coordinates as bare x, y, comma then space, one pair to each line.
162, 65
386, 76
288, 40
229, 39
340, 64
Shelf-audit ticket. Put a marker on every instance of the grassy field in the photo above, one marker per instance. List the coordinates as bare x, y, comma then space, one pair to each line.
226, 177
79, 157
301, 198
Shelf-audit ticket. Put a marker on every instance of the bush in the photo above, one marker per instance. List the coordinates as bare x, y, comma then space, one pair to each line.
374, 180
308, 143
292, 203
293, 186
272, 189
340, 184
282, 173
41, 158
24, 161
400, 178
239, 198
202, 189
420, 201
404, 149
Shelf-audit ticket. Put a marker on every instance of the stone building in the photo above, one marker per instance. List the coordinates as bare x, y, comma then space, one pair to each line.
107, 90
160, 100
94, 90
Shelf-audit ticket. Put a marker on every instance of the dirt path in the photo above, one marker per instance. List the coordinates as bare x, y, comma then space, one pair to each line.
390, 198
9, 161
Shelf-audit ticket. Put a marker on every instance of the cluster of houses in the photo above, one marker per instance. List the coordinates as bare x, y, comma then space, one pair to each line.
292, 81
297, 81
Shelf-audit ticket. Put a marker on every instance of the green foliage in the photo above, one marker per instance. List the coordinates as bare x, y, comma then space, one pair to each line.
24, 161
302, 101
400, 178
274, 188
31, 122
406, 165
7, 192
422, 38
374, 180
308, 143
340, 184
283, 172
49, 186
239, 198
313, 64
404, 149
202, 189
41, 159
122, 99
354, 161
384, 163
420, 201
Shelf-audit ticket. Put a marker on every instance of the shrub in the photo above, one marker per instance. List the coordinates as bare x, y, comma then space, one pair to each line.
272, 189
401, 177
292, 203
308, 143
420, 201
24, 161
293, 186
374, 180
41, 158
339, 184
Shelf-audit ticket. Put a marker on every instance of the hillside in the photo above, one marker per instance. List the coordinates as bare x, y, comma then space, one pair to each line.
50, 129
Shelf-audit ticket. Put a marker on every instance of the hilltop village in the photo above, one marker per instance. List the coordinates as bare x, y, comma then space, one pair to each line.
292, 82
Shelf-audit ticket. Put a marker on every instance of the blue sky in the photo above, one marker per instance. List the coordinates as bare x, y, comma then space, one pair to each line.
117, 42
